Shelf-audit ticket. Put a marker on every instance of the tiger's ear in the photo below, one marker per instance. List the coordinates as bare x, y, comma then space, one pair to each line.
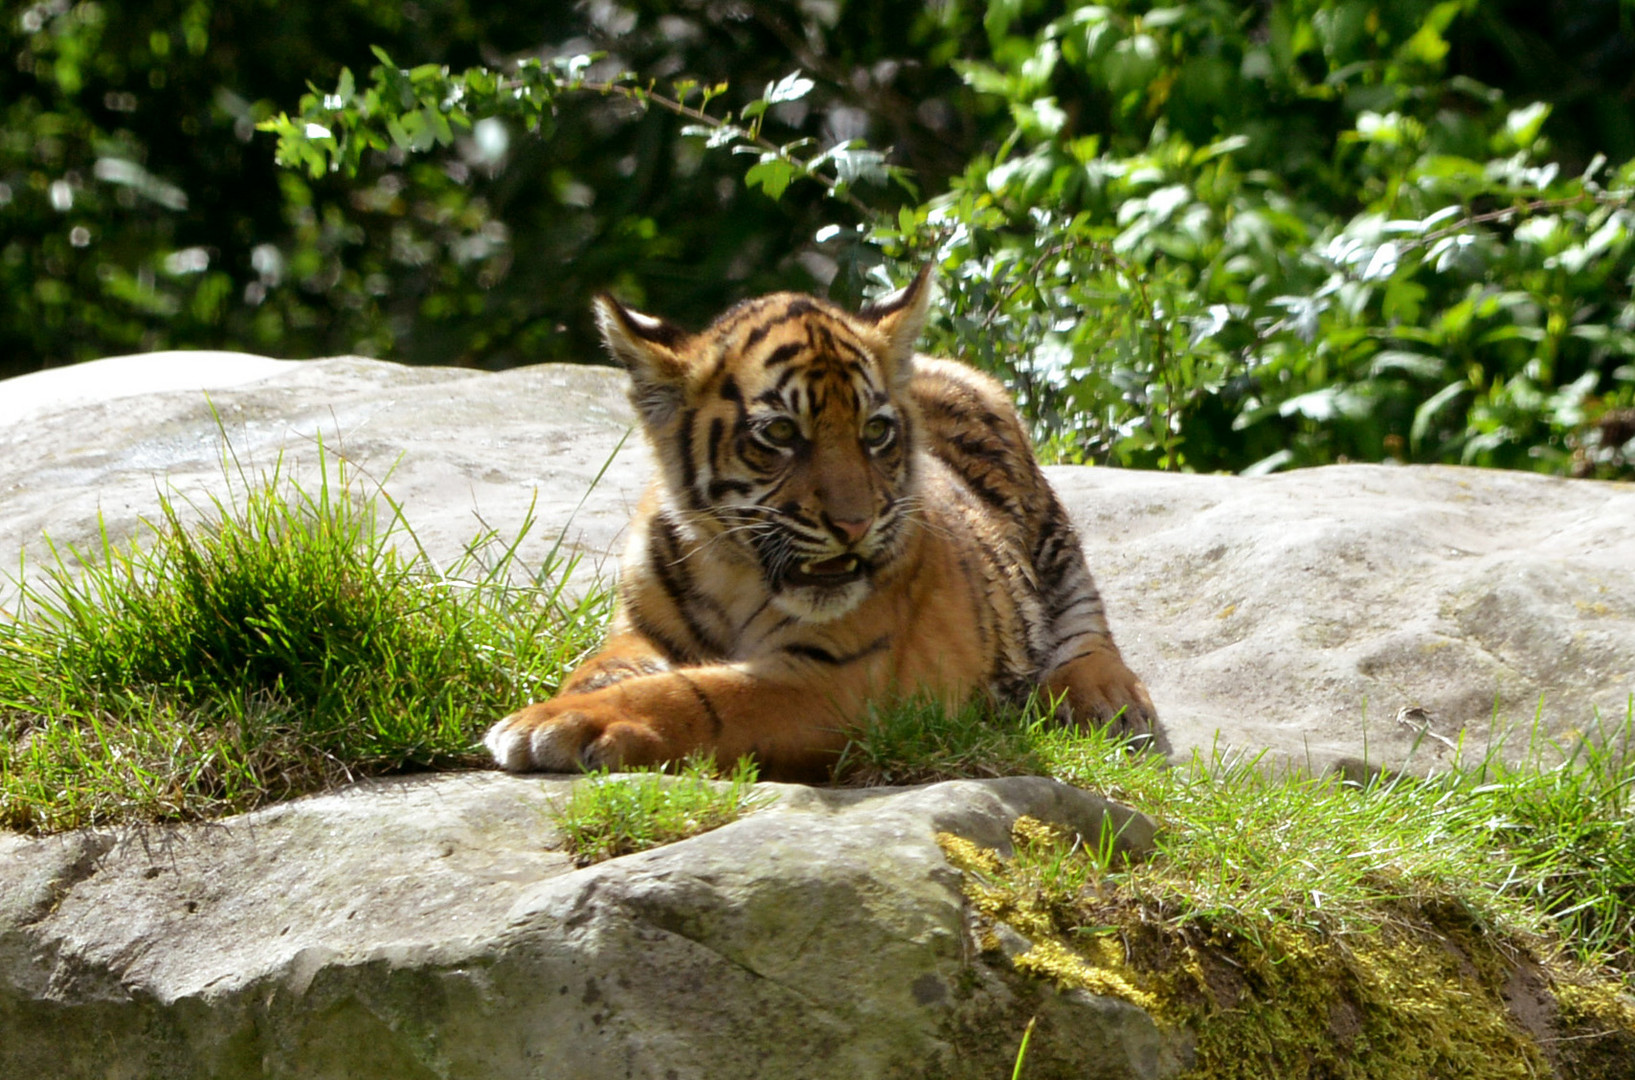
901, 317
650, 349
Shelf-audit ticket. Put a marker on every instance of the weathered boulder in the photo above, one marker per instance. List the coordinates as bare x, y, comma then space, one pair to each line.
1300, 612
428, 927
92, 445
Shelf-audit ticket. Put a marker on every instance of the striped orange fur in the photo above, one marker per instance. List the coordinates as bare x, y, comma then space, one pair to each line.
836, 520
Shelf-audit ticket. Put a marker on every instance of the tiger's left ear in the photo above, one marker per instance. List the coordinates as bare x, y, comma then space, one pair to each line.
901, 317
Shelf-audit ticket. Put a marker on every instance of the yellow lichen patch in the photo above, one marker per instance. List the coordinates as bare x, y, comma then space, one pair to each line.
1404, 1002
1008, 891
964, 855
1027, 830
1600, 1003
1068, 969
1598, 1025
1095, 970
1425, 991
986, 888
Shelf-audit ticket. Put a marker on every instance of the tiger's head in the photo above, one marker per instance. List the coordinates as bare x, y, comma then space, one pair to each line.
786, 430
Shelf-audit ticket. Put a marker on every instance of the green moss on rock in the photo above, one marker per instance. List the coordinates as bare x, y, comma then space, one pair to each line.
1425, 992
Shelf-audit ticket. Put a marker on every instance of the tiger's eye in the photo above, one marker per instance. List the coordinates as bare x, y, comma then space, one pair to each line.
877, 431
781, 431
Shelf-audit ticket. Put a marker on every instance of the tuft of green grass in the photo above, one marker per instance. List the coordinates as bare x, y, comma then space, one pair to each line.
1543, 847
919, 741
608, 815
1565, 819
265, 645
1306, 925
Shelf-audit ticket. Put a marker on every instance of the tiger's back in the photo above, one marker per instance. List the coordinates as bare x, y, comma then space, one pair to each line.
973, 428
835, 521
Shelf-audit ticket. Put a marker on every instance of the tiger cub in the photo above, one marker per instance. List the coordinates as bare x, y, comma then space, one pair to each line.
836, 520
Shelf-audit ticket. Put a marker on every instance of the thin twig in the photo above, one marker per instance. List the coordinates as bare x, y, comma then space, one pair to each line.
1533, 207
643, 97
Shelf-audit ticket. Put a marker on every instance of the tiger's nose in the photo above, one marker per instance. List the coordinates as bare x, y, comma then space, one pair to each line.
848, 529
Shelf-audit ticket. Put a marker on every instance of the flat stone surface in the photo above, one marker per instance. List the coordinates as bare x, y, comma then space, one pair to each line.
1297, 612
1301, 611
426, 926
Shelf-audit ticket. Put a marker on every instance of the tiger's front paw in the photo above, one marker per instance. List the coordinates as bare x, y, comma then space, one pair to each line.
570, 733
1100, 689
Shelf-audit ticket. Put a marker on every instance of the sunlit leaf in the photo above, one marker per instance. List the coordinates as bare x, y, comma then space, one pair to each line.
1427, 412
791, 87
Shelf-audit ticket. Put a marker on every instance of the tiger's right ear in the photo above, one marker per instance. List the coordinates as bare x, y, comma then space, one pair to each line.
650, 349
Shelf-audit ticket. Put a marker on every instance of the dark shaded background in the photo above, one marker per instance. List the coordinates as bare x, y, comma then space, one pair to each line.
140, 209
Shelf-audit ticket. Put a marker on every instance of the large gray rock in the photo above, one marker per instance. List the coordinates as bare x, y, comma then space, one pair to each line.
466, 449
1304, 611
1299, 612
427, 927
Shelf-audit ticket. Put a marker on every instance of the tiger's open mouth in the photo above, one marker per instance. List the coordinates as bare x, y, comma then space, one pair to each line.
827, 573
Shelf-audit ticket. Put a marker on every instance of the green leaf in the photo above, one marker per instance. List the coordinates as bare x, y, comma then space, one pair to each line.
792, 87
772, 175
854, 163
1428, 46
1403, 298
1042, 118
1164, 16
400, 134
716, 136
1000, 15
1523, 124
1220, 147
1418, 364
1511, 332
1269, 464
1317, 405
984, 79
1428, 409
1134, 63
439, 125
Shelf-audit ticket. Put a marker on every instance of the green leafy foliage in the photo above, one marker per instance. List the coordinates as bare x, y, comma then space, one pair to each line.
140, 208
1200, 235
1291, 241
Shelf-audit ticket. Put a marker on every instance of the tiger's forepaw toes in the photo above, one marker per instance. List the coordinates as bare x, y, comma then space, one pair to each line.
1138, 722
1104, 693
509, 745
538, 739
569, 734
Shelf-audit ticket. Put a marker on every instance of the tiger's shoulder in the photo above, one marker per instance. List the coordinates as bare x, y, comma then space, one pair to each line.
971, 425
